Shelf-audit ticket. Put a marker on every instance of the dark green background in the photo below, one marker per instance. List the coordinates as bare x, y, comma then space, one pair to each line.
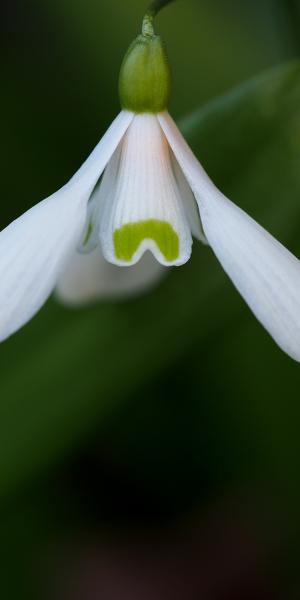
174, 413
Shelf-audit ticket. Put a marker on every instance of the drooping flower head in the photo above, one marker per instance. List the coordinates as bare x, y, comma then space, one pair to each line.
137, 202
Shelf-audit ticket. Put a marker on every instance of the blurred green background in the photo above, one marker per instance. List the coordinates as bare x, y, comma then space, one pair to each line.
150, 448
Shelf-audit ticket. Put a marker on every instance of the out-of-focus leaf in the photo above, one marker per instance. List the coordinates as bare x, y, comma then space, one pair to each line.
250, 144
67, 370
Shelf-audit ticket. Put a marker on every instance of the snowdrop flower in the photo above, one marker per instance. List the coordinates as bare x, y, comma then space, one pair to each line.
133, 209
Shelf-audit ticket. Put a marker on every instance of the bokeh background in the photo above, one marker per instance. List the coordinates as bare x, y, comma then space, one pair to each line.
150, 449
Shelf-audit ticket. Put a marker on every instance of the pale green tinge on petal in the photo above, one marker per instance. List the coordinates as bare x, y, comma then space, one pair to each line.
129, 237
189, 203
90, 237
88, 234
102, 196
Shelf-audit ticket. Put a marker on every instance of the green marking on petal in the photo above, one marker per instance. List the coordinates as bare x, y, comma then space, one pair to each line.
88, 233
128, 238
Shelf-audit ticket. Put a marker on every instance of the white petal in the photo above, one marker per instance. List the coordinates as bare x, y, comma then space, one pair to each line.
189, 202
197, 178
266, 274
33, 250
143, 190
90, 236
101, 198
89, 277
87, 176
35, 247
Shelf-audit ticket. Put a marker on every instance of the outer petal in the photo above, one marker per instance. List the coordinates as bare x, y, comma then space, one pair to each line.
266, 274
34, 248
88, 174
198, 179
88, 277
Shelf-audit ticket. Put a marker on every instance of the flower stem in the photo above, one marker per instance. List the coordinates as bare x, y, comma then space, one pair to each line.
154, 8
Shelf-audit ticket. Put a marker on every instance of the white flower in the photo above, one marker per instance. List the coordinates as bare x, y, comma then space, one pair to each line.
153, 197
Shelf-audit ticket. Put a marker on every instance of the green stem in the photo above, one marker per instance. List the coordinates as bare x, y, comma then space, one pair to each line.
148, 21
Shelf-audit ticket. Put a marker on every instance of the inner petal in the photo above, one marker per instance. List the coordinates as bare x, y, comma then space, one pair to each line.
189, 202
102, 193
143, 210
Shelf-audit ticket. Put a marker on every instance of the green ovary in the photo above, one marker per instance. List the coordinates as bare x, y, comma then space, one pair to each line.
128, 238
